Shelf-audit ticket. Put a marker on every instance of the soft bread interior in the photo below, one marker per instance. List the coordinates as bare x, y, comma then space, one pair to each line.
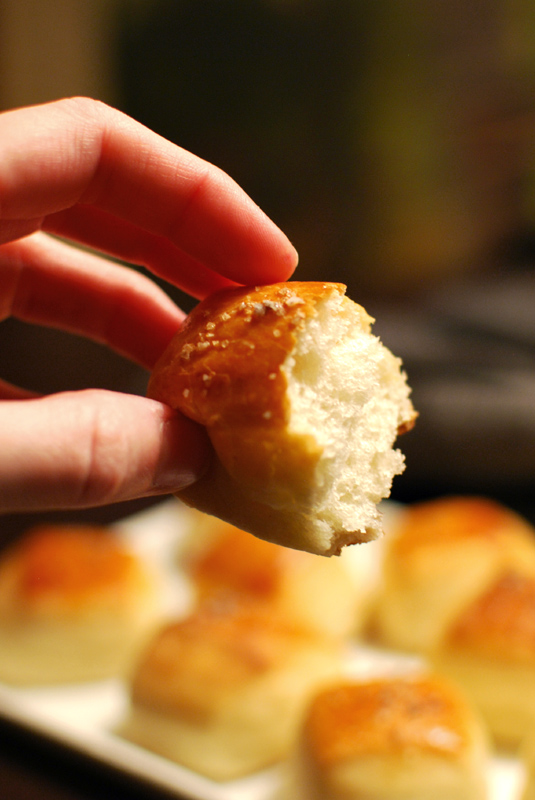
347, 390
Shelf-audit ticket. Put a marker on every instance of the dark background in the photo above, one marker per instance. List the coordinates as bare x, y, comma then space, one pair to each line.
394, 142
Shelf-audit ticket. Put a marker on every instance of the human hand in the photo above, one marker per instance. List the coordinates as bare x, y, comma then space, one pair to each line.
91, 175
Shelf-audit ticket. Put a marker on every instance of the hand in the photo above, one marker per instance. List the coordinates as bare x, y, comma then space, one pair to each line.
89, 174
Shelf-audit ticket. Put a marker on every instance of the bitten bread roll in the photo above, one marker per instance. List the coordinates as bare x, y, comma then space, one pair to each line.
489, 650
222, 692
443, 554
395, 738
302, 405
75, 605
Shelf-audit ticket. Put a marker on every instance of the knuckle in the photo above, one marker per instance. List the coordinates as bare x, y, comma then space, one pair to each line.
104, 459
85, 107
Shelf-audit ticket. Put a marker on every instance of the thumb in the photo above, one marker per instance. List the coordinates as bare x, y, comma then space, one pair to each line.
94, 447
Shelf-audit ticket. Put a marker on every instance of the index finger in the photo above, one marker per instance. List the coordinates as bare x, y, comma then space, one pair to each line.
80, 151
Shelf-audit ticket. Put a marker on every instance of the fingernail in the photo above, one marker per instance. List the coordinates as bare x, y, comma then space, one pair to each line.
185, 456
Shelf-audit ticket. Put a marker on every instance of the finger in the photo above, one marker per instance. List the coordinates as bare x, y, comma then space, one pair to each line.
47, 282
81, 151
90, 448
119, 238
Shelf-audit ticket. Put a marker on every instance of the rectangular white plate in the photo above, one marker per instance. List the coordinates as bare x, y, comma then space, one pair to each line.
83, 717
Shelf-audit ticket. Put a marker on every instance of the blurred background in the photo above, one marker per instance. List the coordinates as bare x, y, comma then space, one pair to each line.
394, 142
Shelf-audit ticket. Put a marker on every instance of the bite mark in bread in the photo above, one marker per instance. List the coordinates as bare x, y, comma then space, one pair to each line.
302, 404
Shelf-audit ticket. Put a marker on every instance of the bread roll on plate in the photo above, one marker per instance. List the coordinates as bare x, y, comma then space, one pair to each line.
319, 594
222, 691
489, 650
403, 738
302, 405
75, 605
442, 554
527, 755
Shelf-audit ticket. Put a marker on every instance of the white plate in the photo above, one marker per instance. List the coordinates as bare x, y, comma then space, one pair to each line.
83, 717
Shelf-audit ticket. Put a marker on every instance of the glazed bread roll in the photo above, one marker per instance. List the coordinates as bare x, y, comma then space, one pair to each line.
489, 650
319, 594
407, 738
222, 691
443, 554
75, 605
302, 405
528, 761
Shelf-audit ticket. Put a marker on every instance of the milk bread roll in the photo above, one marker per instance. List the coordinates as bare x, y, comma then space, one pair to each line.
443, 554
406, 738
222, 692
302, 405
527, 754
319, 594
75, 605
489, 650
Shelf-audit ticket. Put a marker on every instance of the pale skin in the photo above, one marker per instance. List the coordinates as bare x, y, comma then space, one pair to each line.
91, 175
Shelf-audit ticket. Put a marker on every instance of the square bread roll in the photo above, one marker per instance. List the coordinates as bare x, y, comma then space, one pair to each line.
444, 553
489, 650
402, 738
323, 595
75, 605
527, 755
222, 691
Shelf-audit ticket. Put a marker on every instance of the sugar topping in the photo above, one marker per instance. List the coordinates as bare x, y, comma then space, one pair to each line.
295, 301
287, 298
187, 350
257, 308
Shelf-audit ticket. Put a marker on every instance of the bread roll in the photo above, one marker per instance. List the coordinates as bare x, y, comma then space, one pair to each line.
222, 692
392, 739
319, 594
302, 405
489, 650
444, 553
75, 605
527, 755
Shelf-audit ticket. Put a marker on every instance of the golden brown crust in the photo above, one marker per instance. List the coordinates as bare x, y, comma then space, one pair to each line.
194, 665
237, 563
452, 520
386, 717
226, 368
223, 691
443, 555
224, 371
76, 604
230, 565
500, 624
66, 568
